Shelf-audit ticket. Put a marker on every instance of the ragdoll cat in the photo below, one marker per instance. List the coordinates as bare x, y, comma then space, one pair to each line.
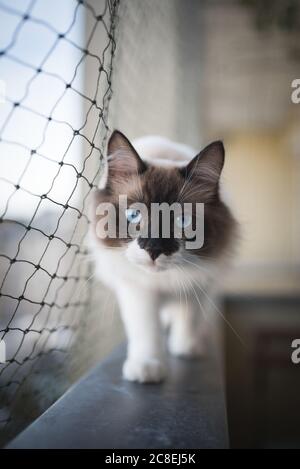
159, 279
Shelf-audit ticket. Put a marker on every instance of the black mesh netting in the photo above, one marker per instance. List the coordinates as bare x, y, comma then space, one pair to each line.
53, 130
61, 62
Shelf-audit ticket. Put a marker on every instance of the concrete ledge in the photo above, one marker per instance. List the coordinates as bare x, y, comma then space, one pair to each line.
103, 411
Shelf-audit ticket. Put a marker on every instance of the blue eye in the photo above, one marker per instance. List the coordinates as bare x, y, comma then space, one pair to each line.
183, 221
133, 216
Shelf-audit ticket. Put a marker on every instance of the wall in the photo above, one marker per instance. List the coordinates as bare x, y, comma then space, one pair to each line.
246, 100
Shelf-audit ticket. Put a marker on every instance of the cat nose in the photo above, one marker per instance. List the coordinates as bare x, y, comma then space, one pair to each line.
154, 253
156, 247
153, 247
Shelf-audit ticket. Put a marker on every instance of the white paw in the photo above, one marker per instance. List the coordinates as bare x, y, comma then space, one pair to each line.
147, 371
166, 319
187, 347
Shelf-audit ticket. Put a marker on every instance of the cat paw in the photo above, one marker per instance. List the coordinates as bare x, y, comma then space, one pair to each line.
188, 348
148, 371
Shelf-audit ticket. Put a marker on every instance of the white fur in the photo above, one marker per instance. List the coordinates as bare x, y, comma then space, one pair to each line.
145, 290
163, 152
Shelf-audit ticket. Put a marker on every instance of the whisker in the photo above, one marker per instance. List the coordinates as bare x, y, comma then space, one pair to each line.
196, 296
185, 290
201, 268
85, 284
217, 309
221, 314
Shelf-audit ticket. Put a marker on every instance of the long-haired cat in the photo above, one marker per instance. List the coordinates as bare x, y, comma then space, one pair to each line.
159, 279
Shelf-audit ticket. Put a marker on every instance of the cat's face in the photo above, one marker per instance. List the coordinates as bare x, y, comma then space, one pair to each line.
141, 187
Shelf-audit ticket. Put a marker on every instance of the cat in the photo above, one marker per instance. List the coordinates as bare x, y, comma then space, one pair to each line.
158, 280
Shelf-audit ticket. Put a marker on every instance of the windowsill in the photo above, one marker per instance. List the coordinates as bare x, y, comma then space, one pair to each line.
104, 411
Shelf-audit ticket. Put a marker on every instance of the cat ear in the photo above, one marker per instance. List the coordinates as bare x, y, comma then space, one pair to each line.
207, 166
122, 158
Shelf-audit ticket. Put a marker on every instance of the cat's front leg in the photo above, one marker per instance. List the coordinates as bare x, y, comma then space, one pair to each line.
145, 354
187, 333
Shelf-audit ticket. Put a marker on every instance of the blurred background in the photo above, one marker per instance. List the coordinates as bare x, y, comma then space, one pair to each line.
194, 72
